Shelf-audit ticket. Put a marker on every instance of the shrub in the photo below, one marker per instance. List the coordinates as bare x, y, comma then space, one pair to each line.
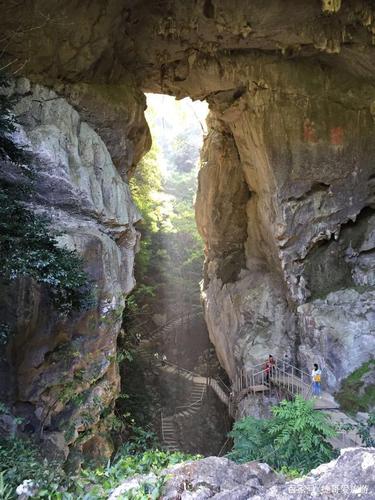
100, 482
363, 429
28, 249
20, 460
295, 437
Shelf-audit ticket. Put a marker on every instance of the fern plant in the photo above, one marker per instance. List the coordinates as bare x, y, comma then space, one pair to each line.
296, 437
301, 434
249, 436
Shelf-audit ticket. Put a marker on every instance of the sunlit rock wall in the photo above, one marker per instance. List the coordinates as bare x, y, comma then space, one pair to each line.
63, 376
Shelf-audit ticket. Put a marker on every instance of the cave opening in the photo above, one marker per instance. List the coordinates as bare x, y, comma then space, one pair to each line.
173, 358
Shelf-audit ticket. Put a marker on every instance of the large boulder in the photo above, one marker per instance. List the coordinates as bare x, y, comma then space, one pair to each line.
212, 477
350, 476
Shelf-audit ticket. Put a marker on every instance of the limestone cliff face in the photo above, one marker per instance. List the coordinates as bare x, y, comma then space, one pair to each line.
286, 190
64, 376
304, 286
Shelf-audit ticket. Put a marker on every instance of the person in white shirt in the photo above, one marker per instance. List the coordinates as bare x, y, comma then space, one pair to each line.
316, 376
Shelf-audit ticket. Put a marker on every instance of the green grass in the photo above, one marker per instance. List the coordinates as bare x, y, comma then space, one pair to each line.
351, 398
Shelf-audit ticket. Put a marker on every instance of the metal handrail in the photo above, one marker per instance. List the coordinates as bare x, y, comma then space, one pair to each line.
162, 424
222, 394
283, 362
178, 368
192, 313
181, 409
290, 381
292, 378
219, 379
185, 407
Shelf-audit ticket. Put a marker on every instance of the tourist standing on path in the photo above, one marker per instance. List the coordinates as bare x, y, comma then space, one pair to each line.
316, 376
268, 367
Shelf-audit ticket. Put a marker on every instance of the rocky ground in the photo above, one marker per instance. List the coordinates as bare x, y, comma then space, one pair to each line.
351, 476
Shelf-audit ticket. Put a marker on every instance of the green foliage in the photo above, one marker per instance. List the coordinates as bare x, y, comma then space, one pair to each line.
5, 410
145, 184
171, 253
363, 429
5, 488
9, 151
290, 473
136, 404
21, 460
353, 396
301, 434
4, 333
171, 249
100, 482
141, 440
135, 407
28, 248
295, 437
250, 439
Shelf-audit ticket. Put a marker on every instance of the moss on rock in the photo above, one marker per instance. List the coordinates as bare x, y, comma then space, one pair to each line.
357, 391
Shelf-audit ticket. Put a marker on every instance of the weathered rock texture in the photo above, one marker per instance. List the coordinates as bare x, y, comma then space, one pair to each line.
286, 192
304, 151
351, 476
212, 477
64, 376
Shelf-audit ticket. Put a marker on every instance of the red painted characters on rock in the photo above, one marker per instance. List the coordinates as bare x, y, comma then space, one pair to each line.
309, 132
337, 136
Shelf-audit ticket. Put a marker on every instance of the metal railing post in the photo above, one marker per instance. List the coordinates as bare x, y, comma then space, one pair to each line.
292, 378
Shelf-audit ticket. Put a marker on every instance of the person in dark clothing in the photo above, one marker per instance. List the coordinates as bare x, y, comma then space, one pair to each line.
268, 367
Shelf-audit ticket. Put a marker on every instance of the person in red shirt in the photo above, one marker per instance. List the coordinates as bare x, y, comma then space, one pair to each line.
268, 367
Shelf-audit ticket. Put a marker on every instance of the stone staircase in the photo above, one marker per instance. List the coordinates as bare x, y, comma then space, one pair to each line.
199, 387
222, 393
285, 376
171, 424
169, 434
